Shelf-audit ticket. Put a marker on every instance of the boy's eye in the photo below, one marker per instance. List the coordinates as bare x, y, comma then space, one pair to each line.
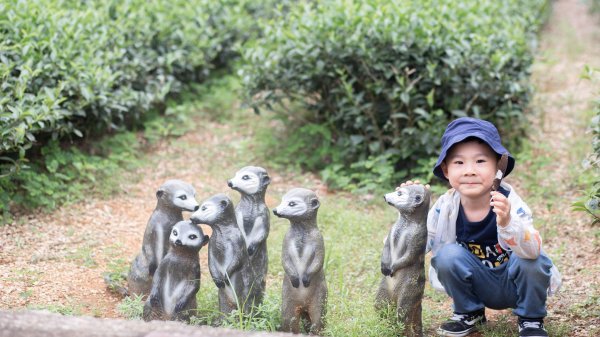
479, 161
458, 162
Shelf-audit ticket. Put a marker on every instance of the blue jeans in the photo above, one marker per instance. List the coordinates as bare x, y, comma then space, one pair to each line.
519, 283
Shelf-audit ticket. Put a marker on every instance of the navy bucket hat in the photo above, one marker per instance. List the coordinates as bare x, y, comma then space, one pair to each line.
465, 127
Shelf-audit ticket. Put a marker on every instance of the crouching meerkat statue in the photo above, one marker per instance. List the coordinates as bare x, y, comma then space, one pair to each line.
303, 254
173, 197
403, 257
177, 279
253, 219
227, 254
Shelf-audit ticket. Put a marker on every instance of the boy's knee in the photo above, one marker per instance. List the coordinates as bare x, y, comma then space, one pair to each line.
449, 257
539, 267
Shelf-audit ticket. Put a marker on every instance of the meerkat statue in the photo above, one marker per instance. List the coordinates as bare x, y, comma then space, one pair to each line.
403, 257
177, 279
173, 197
227, 255
303, 254
253, 218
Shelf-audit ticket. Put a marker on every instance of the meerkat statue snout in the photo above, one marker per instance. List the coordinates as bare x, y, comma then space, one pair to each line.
303, 254
177, 279
403, 257
253, 218
227, 255
173, 197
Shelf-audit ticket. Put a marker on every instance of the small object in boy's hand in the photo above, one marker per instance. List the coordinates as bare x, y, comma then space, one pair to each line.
502, 164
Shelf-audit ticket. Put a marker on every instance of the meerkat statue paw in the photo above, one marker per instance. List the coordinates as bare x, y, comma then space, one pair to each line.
305, 281
219, 283
251, 250
295, 281
385, 270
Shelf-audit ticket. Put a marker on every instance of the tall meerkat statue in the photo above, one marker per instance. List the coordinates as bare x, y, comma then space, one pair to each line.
403, 257
173, 197
253, 218
227, 255
177, 279
303, 254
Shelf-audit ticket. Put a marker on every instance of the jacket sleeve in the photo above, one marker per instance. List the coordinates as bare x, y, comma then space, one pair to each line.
519, 236
433, 218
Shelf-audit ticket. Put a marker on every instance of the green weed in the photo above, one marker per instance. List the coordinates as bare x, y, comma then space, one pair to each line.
131, 307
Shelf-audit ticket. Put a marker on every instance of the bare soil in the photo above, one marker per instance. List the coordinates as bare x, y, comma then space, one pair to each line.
57, 259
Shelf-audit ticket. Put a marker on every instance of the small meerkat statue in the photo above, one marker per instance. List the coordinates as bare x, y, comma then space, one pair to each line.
403, 257
253, 219
227, 255
177, 279
173, 197
303, 254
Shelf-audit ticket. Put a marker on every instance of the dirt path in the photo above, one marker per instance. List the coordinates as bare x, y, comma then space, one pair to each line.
57, 260
570, 41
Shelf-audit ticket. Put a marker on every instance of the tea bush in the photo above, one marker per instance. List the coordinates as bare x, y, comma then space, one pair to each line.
385, 77
81, 69
591, 202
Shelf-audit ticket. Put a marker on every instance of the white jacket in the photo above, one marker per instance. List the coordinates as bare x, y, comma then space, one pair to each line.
518, 236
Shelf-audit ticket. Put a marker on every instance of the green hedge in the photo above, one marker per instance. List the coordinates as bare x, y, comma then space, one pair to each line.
375, 82
85, 67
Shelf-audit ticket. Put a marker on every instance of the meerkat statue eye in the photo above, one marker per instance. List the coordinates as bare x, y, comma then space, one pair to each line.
203, 208
292, 204
175, 232
192, 237
246, 177
418, 198
183, 197
399, 193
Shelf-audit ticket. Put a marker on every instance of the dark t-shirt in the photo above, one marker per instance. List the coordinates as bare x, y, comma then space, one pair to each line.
481, 237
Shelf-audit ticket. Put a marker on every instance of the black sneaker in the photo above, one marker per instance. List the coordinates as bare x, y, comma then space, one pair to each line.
462, 324
532, 327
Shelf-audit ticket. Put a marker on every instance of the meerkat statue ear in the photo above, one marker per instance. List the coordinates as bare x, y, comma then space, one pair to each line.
159, 194
314, 203
224, 203
266, 180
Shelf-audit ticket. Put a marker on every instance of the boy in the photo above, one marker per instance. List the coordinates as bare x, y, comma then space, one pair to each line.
486, 252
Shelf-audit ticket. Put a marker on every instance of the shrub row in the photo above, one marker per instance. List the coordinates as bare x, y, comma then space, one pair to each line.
84, 67
377, 81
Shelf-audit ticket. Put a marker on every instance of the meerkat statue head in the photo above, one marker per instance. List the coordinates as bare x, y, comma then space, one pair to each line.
408, 198
177, 194
250, 180
298, 203
214, 210
186, 235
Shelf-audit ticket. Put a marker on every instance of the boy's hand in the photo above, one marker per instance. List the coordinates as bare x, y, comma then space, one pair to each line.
410, 182
501, 208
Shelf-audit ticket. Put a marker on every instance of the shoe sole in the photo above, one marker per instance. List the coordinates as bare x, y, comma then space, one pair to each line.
446, 333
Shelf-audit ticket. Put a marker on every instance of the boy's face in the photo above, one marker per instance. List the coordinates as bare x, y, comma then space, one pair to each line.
471, 168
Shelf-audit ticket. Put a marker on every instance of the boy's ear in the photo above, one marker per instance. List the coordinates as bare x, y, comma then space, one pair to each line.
444, 168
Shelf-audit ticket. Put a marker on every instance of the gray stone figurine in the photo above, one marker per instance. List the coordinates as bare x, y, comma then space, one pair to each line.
403, 257
253, 218
177, 279
303, 254
227, 255
173, 197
